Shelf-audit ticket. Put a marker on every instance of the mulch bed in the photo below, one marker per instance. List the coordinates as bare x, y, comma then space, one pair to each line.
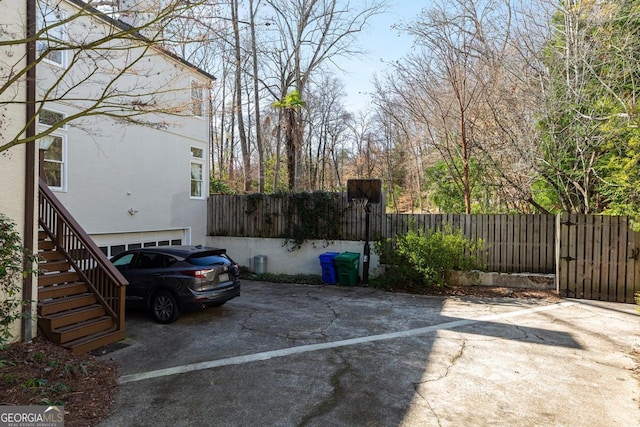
481, 292
42, 373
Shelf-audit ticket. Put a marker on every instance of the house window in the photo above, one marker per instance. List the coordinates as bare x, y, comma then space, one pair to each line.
115, 250
51, 118
54, 163
197, 153
197, 172
53, 33
197, 98
196, 180
55, 146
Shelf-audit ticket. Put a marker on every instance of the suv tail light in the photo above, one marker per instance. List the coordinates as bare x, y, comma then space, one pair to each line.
198, 274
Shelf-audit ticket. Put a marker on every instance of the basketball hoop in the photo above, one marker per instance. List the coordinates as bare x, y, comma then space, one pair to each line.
362, 193
360, 205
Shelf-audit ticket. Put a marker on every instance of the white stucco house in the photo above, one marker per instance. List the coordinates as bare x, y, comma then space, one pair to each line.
14, 180
127, 184
122, 131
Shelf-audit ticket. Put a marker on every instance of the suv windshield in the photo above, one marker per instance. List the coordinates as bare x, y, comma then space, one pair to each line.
208, 259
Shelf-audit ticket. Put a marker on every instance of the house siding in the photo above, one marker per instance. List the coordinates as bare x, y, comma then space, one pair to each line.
13, 161
127, 180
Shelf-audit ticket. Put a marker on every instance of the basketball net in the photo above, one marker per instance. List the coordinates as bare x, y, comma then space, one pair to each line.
360, 205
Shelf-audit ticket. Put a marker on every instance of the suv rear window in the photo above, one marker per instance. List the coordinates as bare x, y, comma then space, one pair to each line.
208, 259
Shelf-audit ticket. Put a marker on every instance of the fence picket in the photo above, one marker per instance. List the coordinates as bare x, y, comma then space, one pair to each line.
597, 256
631, 264
613, 258
588, 264
631, 290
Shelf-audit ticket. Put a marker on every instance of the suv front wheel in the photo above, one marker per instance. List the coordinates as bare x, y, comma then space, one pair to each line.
164, 307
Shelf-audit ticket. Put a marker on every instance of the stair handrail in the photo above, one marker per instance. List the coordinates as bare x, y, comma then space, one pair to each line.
114, 302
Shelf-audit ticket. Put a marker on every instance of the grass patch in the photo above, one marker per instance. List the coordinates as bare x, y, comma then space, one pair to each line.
301, 279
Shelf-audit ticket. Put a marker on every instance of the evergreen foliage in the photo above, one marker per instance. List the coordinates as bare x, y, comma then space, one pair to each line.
591, 129
12, 260
423, 259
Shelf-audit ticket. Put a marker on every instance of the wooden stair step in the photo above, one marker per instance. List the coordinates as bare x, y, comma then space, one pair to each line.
42, 235
45, 245
83, 345
57, 265
57, 278
64, 290
52, 255
69, 317
58, 305
82, 329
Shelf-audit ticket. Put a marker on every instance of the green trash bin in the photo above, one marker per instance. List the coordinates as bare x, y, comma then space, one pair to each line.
347, 266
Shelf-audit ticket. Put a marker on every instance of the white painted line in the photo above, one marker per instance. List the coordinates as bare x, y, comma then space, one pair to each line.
266, 355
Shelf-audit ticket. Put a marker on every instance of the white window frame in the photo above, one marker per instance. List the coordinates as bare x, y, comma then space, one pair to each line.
64, 116
62, 163
60, 133
197, 102
198, 161
45, 14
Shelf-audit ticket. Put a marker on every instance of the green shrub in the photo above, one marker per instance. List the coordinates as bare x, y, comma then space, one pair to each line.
419, 259
218, 186
12, 258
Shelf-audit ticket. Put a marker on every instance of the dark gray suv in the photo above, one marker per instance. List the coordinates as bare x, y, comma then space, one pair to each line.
168, 280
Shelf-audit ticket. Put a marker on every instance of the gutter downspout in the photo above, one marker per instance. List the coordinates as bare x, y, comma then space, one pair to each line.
30, 177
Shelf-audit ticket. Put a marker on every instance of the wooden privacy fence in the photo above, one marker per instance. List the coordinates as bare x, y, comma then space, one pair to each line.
598, 258
513, 243
267, 216
593, 257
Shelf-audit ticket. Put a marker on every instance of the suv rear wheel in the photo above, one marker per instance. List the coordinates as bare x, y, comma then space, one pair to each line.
164, 307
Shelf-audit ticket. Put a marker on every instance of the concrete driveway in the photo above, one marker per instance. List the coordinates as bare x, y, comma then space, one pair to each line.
293, 355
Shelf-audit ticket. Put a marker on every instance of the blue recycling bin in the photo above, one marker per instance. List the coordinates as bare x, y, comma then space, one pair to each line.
329, 272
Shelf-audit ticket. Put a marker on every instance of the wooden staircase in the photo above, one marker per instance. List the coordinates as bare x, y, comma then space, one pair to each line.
80, 294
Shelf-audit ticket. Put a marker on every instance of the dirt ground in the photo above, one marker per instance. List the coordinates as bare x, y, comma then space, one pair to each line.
42, 373
484, 291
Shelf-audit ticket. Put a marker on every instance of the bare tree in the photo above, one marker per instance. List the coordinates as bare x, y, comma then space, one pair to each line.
455, 42
468, 89
103, 66
312, 32
328, 122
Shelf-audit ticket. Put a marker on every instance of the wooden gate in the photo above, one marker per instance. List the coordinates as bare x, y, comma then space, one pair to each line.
597, 257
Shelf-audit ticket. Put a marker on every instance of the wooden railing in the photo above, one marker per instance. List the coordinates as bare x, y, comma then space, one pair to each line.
84, 256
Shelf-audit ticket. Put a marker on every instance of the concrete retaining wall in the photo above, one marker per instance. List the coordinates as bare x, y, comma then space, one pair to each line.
508, 280
282, 260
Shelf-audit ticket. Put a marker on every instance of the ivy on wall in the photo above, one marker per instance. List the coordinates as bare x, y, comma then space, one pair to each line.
308, 216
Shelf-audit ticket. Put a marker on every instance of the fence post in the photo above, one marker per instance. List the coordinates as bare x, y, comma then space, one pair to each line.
558, 221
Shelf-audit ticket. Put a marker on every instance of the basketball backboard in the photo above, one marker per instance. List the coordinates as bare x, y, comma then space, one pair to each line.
370, 189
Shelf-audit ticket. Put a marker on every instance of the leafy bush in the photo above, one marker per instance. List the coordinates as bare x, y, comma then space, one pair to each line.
419, 259
12, 258
218, 186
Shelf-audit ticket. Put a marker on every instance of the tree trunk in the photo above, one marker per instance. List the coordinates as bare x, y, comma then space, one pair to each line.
244, 145
290, 140
256, 99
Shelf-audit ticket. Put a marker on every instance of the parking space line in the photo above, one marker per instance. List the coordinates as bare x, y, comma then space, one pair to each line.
266, 355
